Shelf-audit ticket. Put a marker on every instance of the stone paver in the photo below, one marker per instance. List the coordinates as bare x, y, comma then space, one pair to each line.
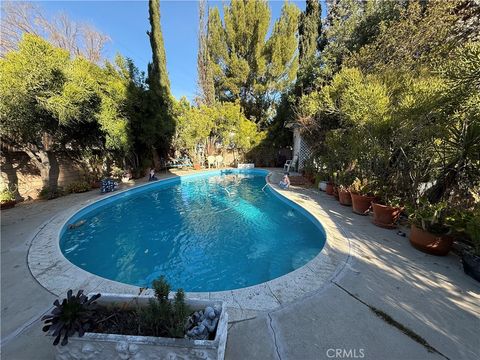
429, 295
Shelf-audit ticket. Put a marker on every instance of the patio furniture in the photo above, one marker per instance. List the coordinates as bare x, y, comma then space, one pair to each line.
210, 160
219, 161
108, 185
290, 164
180, 163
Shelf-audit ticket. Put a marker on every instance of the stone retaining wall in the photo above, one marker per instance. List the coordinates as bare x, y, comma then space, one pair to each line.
18, 170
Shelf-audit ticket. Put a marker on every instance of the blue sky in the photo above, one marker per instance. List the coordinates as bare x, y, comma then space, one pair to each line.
126, 22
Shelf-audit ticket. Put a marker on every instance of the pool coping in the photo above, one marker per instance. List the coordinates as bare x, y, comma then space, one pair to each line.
56, 274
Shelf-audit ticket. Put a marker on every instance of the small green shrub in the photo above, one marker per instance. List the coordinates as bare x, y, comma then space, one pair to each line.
436, 218
117, 173
163, 317
362, 187
47, 194
78, 187
7, 195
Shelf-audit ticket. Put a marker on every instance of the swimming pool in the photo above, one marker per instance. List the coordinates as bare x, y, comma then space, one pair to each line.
214, 231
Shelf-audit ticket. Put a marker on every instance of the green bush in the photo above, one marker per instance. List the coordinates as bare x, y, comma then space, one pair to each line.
7, 195
47, 194
163, 317
78, 187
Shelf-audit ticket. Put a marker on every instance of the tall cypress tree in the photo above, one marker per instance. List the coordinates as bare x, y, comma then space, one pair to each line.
159, 125
157, 70
310, 44
204, 65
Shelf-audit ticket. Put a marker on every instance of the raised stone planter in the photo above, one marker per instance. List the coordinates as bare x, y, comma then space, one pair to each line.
126, 347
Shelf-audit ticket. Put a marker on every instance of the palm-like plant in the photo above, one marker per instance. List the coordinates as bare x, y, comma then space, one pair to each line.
74, 315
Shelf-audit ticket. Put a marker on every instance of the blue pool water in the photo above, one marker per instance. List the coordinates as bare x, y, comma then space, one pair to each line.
211, 232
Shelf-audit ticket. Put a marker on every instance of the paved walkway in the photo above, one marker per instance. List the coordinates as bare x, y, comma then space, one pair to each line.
390, 302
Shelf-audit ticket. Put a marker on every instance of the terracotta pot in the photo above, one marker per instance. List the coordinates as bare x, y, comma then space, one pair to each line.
361, 204
197, 166
385, 216
429, 243
471, 265
329, 189
344, 197
335, 192
7, 204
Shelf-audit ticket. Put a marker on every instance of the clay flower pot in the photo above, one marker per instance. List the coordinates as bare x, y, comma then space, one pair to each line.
344, 197
385, 216
430, 243
335, 192
361, 203
196, 166
329, 189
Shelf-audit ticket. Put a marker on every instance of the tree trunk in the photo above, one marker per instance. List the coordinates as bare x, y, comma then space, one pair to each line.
156, 159
11, 172
46, 162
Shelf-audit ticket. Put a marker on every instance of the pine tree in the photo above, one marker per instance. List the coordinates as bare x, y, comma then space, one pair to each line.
205, 75
246, 65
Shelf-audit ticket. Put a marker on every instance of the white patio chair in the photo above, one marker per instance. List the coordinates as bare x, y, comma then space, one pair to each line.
211, 160
219, 161
290, 164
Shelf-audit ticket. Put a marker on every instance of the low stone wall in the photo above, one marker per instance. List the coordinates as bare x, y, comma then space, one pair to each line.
18, 170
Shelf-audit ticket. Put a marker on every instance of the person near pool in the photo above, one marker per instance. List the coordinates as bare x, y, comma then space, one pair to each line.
152, 176
285, 183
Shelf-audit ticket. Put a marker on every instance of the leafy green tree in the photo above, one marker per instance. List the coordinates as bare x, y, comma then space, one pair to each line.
32, 111
419, 37
246, 65
50, 101
223, 124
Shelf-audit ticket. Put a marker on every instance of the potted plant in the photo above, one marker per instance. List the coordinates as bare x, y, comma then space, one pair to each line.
329, 188
127, 327
362, 197
387, 207
345, 179
197, 166
471, 256
7, 198
431, 228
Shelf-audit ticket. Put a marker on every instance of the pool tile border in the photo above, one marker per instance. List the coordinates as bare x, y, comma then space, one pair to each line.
56, 274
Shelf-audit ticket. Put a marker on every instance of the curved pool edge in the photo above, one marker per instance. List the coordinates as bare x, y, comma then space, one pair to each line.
55, 273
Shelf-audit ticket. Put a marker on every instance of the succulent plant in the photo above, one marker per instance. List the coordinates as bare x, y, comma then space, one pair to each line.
74, 315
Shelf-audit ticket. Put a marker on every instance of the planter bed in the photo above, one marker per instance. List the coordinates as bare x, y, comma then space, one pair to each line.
121, 346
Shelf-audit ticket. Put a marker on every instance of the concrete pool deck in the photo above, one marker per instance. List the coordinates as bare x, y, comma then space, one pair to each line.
429, 296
